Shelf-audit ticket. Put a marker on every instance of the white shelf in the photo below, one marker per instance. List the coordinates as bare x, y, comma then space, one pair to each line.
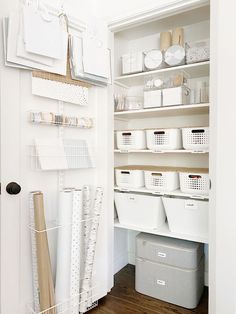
194, 70
163, 231
164, 111
173, 193
148, 151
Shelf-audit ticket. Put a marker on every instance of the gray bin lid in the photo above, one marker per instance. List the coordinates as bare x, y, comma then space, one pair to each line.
169, 251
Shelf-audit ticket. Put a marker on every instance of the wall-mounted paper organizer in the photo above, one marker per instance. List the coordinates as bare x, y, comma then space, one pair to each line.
60, 154
52, 118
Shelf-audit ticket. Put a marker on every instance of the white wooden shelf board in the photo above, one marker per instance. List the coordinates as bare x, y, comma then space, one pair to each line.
148, 151
164, 111
194, 70
163, 231
172, 193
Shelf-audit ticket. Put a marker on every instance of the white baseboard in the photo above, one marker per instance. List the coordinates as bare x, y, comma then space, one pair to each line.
120, 262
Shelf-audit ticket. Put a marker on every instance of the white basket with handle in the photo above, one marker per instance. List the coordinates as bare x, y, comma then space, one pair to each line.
164, 139
129, 177
161, 179
194, 181
196, 138
131, 140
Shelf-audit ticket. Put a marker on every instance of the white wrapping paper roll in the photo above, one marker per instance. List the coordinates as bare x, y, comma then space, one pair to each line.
76, 250
86, 296
62, 287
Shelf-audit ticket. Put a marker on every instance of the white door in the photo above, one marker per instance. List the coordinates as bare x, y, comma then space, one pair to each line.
17, 135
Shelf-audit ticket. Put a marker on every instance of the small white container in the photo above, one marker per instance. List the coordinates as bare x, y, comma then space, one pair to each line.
161, 179
175, 96
131, 140
152, 98
196, 138
187, 216
129, 177
194, 181
163, 139
132, 62
142, 211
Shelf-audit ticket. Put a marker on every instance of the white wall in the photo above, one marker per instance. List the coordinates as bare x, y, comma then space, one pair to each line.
223, 166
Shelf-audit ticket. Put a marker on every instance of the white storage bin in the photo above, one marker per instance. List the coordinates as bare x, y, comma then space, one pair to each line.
164, 139
143, 211
132, 62
175, 96
133, 139
133, 103
129, 177
152, 98
196, 138
187, 216
194, 181
161, 179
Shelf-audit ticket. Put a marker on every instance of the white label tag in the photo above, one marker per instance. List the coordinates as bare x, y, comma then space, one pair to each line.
161, 282
160, 254
190, 204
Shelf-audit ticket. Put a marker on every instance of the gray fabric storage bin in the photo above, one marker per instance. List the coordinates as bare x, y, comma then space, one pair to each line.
175, 285
169, 269
175, 252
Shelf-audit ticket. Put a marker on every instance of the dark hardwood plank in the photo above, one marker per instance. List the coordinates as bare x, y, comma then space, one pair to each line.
123, 299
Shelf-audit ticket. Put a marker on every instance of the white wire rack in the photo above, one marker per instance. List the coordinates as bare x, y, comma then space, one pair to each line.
68, 305
73, 154
51, 118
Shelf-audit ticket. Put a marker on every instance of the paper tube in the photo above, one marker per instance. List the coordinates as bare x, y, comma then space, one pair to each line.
76, 250
86, 296
165, 40
34, 255
62, 288
45, 280
178, 36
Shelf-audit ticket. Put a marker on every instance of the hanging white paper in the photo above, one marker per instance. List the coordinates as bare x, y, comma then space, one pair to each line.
42, 33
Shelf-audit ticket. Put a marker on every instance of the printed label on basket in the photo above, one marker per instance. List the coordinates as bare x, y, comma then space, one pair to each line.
189, 204
161, 282
161, 254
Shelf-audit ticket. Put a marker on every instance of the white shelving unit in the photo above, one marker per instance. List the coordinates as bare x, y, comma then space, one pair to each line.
145, 37
163, 231
194, 70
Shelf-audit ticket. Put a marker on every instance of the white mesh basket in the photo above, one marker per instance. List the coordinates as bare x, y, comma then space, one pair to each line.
194, 183
161, 181
129, 178
161, 139
196, 138
128, 140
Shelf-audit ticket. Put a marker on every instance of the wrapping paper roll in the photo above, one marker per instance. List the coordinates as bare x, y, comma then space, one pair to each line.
76, 250
45, 279
86, 295
62, 287
165, 40
178, 36
86, 215
34, 255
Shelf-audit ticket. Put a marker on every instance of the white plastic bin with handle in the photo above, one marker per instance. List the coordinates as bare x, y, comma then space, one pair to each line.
194, 181
131, 140
161, 179
129, 177
164, 139
196, 138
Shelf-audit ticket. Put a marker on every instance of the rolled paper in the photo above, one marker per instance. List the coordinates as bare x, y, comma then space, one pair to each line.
75, 264
45, 279
36, 117
165, 40
178, 36
62, 287
86, 293
47, 117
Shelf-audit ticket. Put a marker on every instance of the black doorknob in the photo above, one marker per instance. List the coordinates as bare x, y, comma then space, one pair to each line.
13, 188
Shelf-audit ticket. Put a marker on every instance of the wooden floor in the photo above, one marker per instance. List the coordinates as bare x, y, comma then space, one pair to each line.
123, 299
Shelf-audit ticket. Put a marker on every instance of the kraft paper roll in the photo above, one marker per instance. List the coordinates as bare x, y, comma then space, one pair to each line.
165, 40
178, 36
45, 279
62, 287
86, 296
